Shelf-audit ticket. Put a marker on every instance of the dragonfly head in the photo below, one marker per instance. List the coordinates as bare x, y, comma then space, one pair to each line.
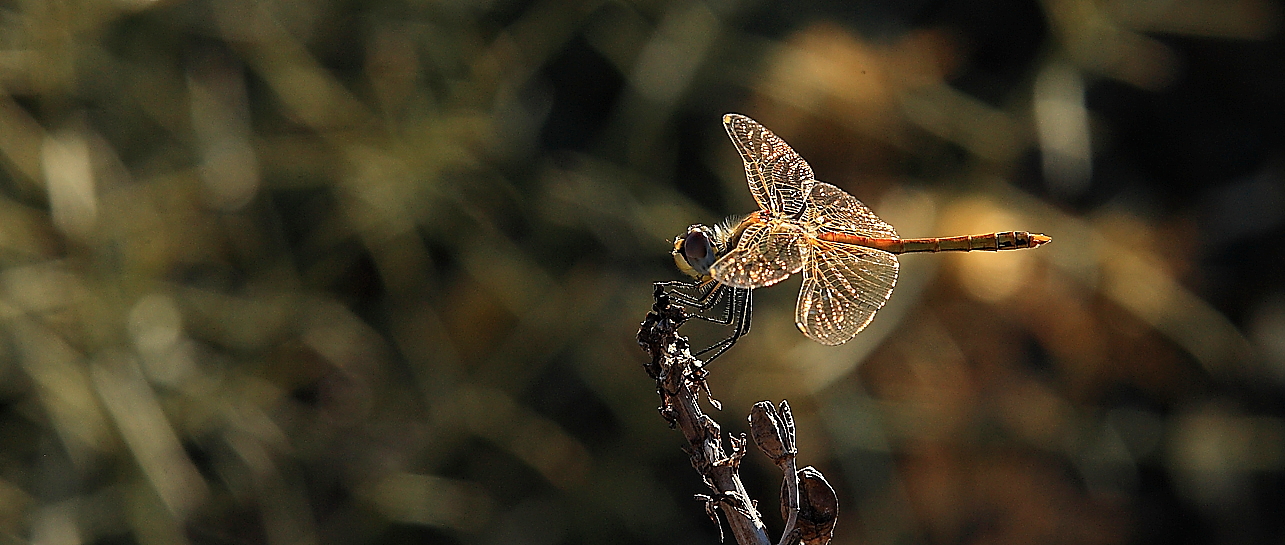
696, 250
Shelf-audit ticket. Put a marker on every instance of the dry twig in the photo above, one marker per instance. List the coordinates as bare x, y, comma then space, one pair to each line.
680, 378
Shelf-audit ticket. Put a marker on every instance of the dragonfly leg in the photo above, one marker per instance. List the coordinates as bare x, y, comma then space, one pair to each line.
739, 311
701, 297
697, 295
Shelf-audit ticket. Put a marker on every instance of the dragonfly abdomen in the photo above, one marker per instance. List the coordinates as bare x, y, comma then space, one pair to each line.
1007, 240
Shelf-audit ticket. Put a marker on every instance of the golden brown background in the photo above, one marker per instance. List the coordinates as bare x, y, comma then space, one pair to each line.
289, 272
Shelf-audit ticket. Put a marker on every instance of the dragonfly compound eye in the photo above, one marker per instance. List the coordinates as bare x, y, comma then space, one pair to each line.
696, 247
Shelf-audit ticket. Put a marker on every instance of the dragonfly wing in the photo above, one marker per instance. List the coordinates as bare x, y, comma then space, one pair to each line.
843, 287
833, 209
779, 178
767, 253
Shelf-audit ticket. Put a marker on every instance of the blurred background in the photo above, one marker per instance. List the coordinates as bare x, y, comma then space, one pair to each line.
289, 272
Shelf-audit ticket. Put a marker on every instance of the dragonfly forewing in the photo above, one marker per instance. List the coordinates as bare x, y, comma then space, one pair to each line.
779, 178
768, 252
843, 287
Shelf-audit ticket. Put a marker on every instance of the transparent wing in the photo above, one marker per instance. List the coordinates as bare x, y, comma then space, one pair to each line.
843, 287
833, 209
767, 253
779, 178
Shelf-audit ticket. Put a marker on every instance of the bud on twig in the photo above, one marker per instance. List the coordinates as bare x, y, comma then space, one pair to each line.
773, 431
818, 508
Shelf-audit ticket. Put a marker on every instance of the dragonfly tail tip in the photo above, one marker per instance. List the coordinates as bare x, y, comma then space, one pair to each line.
1037, 240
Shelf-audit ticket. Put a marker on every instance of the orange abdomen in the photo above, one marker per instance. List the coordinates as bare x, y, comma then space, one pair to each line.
1006, 240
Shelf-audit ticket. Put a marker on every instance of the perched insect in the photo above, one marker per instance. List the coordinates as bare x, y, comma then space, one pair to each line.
848, 255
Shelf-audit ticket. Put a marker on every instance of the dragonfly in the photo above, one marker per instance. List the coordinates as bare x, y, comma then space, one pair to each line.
847, 255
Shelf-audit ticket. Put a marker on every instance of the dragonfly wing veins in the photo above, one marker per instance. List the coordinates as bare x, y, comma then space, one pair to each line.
779, 178
768, 252
833, 209
843, 287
